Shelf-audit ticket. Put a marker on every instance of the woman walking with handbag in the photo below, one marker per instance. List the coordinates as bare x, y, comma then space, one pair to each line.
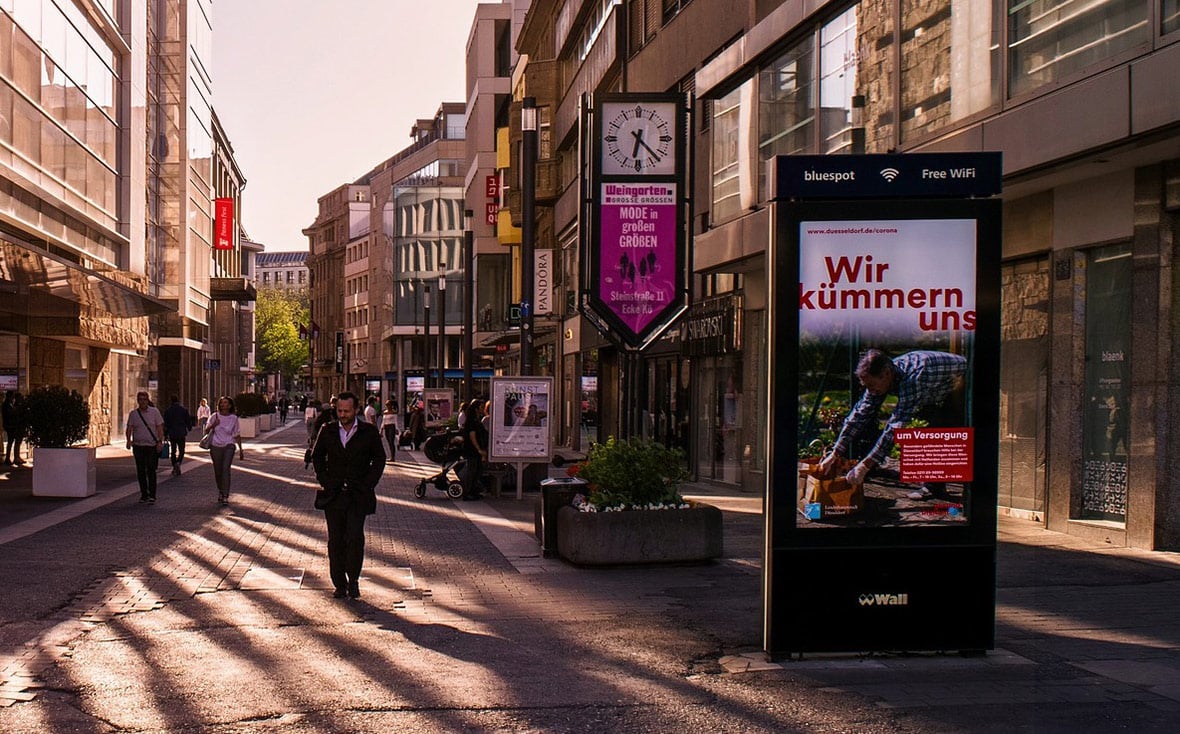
224, 433
145, 440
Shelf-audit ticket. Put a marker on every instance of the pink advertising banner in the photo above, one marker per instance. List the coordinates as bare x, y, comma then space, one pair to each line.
637, 262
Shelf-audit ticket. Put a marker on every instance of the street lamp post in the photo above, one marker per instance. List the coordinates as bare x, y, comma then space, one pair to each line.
426, 346
442, 325
468, 303
528, 201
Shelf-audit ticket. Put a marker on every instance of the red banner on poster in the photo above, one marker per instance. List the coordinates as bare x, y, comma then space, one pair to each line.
223, 224
936, 454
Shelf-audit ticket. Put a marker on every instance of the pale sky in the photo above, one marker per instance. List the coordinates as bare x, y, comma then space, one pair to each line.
315, 93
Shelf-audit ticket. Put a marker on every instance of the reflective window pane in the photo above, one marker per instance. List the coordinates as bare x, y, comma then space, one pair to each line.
950, 60
786, 105
838, 58
1106, 431
1170, 16
726, 160
1049, 40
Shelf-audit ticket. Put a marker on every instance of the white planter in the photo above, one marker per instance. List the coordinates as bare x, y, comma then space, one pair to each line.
270, 421
63, 472
248, 427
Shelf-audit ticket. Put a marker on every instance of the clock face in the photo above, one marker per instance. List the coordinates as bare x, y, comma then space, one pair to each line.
638, 138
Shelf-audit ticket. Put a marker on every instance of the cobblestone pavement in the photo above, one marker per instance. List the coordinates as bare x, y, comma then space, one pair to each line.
184, 616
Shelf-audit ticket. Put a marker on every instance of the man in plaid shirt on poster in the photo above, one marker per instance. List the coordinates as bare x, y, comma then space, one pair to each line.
928, 385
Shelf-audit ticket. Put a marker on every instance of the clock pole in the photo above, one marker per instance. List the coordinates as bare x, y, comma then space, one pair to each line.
528, 200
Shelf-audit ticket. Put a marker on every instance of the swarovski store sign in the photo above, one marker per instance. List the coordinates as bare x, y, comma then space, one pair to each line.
713, 327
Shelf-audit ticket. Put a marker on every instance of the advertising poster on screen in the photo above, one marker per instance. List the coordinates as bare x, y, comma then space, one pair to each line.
520, 418
906, 288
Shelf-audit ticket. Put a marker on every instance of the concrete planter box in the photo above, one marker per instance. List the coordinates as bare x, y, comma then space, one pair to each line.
266, 422
639, 536
248, 427
63, 472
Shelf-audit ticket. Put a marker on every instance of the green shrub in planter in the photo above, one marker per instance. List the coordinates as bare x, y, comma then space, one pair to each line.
632, 474
55, 417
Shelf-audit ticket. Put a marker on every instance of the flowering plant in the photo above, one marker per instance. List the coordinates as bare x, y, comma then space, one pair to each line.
633, 474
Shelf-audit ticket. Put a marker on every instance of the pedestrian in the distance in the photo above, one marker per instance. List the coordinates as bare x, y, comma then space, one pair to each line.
177, 422
389, 428
284, 407
348, 460
475, 451
203, 414
417, 426
14, 427
225, 435
371, 411
145, 440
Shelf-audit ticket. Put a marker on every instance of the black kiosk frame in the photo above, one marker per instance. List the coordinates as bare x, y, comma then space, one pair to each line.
900, 252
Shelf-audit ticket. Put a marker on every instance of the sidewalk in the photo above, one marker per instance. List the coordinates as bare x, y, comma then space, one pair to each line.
186, 616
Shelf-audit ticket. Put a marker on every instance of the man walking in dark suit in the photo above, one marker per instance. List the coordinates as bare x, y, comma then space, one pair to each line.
348, 459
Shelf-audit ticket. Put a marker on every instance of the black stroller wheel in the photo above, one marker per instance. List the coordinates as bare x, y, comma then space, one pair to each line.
420, 490
455, 490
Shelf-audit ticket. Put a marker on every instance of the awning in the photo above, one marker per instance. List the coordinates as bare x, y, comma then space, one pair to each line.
232, 289
26, 269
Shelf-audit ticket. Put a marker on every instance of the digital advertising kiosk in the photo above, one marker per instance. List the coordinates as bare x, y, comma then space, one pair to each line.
884, 352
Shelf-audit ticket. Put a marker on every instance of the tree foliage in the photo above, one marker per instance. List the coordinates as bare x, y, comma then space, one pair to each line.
278, 316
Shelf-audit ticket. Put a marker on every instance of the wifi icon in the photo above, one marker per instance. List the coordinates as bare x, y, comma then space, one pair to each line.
889, 174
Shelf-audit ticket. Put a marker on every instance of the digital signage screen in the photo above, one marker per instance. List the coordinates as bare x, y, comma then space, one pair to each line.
886, 353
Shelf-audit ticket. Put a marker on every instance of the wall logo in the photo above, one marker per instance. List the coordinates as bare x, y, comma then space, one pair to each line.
884, 600
889, 174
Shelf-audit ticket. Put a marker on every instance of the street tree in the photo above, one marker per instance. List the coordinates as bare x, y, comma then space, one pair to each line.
278, 316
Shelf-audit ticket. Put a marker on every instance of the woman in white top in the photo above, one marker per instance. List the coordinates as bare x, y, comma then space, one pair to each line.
203, 414
225, 433
389, 428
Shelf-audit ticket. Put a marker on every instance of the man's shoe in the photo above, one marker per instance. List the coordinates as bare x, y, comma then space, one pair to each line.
151, 500
339, 594
143, 500
354, 591
8, 462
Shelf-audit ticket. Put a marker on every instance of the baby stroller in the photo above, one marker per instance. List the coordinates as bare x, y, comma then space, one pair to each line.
445, 449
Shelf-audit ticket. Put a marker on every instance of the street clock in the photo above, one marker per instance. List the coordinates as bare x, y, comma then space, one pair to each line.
638, 138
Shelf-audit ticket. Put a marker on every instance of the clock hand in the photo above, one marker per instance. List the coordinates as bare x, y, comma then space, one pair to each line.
639, 141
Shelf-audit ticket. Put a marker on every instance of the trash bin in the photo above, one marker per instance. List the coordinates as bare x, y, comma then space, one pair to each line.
555, 494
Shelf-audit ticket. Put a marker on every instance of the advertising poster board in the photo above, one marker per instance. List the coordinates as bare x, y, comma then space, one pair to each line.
884, 340
637, 265
867, 287
439, 405
634, 251
519, 427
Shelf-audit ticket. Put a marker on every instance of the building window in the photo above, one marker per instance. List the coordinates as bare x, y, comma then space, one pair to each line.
1024, 383
730, 161
786, 104
1049, 40
950, 61
266, 277
1169, 16
1106, 428
672, 7
302, 277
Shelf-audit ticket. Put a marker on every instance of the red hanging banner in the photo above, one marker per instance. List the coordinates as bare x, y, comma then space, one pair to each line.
223, 224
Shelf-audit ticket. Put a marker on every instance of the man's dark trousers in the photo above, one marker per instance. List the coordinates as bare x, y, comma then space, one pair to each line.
346, 540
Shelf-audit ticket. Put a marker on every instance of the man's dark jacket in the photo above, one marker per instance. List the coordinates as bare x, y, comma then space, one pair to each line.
357, 466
